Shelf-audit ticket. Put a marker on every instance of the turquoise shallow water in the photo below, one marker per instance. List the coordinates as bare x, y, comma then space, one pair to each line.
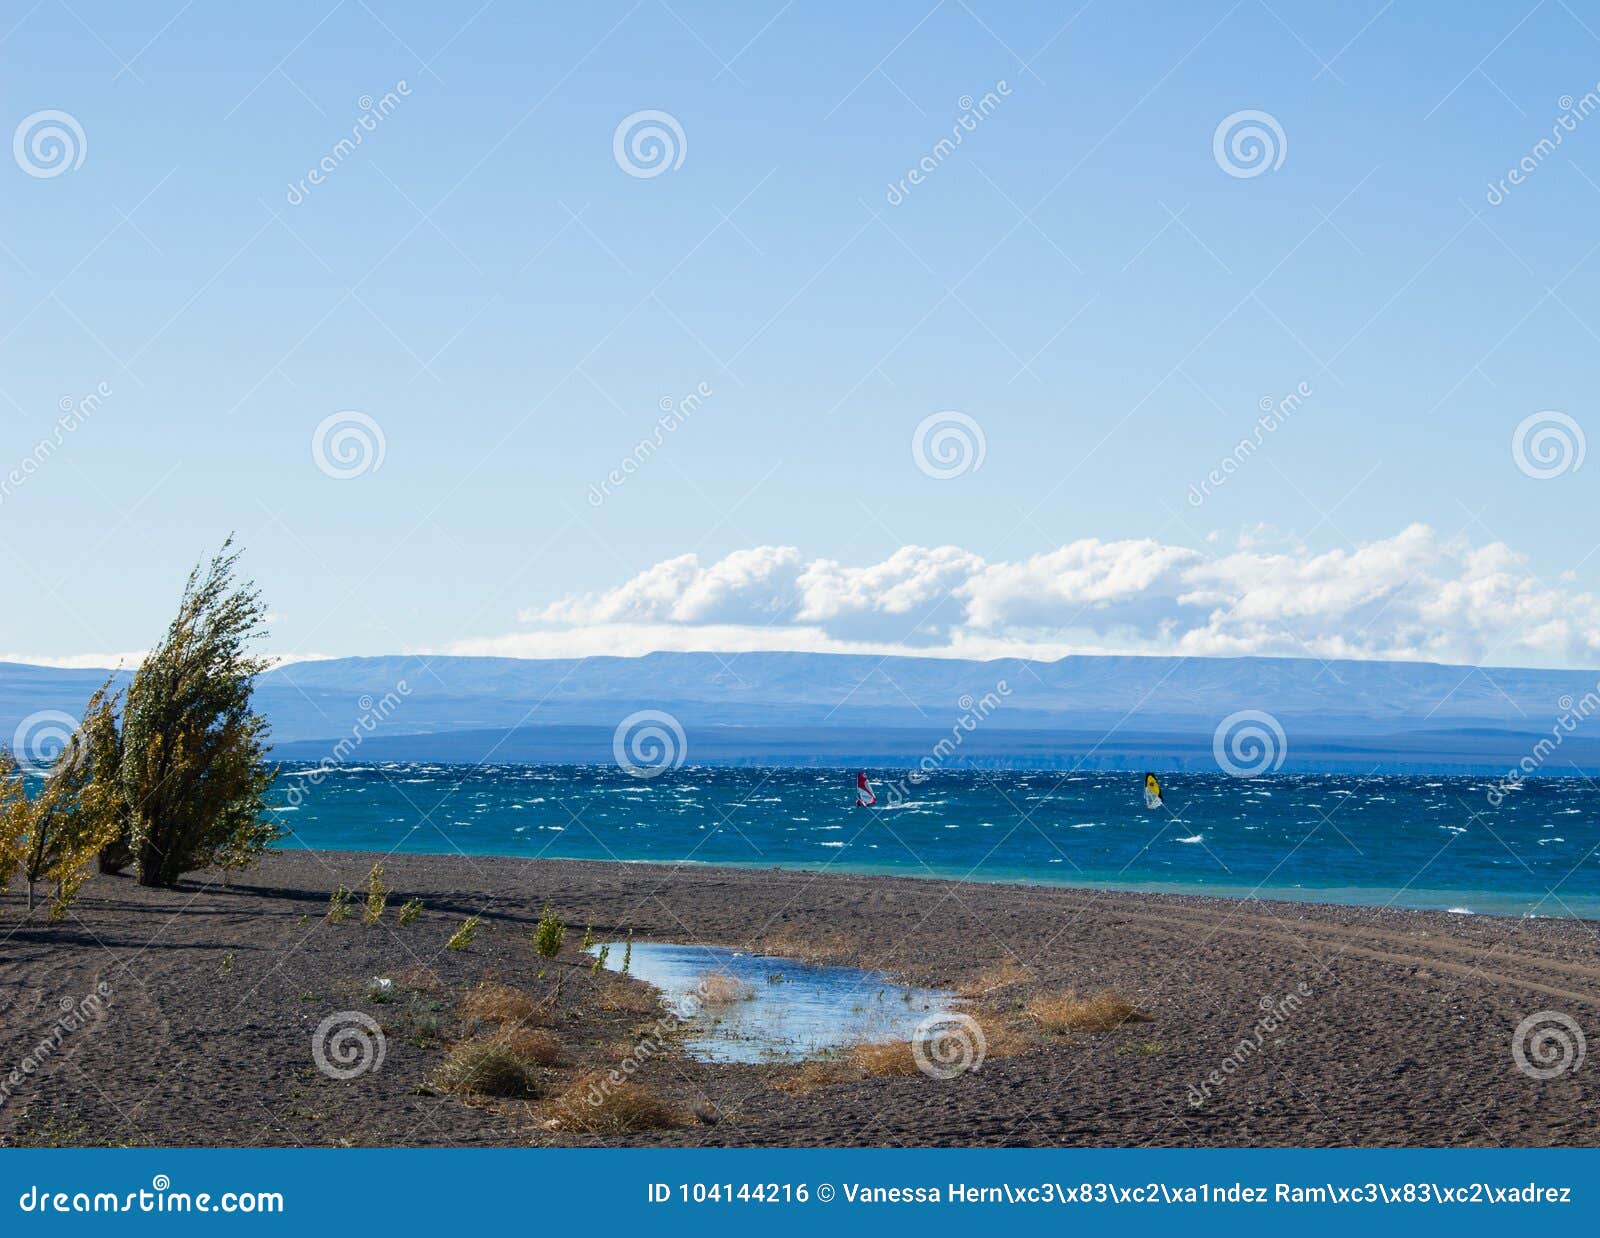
1406, 841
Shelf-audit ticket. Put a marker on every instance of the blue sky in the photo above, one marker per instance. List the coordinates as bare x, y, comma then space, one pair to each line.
1081, 279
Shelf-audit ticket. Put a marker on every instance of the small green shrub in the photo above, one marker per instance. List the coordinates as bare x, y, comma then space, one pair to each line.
339, 904
410, 910
377, 896
549, 934
463, 936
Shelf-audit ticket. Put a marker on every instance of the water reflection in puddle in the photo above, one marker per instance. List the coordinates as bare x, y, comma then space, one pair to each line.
742, 1007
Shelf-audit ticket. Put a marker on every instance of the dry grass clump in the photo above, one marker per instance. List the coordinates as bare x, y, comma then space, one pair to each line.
532, 1044
494, 1002
890, 1058
893, 1057
595, 1105
810, 1076
487, 1066
1005, 974
1101, 1012
721, 989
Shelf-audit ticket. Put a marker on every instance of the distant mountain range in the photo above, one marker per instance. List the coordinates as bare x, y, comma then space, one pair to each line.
806, 708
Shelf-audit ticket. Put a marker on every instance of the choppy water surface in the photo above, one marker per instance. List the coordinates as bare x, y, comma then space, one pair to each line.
740, 1007
1406, 841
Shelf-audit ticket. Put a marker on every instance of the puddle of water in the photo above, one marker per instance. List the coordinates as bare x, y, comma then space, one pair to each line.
782, 1010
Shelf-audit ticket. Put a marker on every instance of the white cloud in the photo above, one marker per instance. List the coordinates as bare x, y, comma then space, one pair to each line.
130, 661
79, 661
1414, 595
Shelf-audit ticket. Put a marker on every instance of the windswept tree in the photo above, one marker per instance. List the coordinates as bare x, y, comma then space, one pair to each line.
194, 770
52, 837
13, 819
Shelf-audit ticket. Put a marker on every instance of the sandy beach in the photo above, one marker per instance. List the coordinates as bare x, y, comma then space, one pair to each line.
1266, 1023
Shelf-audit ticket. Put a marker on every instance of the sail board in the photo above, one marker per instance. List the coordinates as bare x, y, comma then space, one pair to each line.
865, 796
1152, 791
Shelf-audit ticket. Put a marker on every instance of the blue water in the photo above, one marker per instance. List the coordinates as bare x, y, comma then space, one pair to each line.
1405, 841
786, 1010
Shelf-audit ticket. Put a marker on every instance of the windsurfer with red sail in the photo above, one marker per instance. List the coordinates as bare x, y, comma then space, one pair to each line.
865, 796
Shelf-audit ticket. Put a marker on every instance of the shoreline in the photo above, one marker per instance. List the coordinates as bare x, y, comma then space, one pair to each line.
1514, 906
1401, 1029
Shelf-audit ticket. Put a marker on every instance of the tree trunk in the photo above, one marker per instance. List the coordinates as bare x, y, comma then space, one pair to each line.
153, 867
117, 855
